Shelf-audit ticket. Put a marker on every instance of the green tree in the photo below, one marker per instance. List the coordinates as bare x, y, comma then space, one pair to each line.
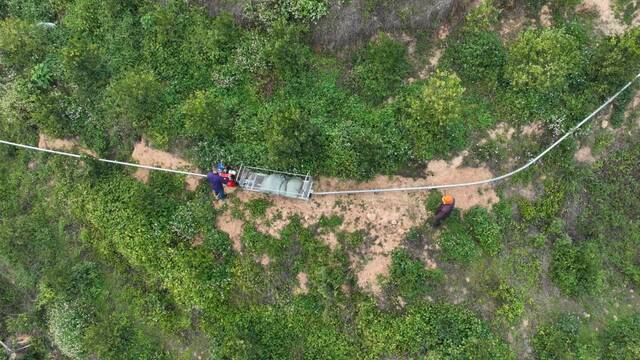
434, 124
135, 100
541, 66
380, 68
209, 114
22, 43
291, 139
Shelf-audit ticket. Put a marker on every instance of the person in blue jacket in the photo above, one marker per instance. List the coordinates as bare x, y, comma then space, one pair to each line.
215, 180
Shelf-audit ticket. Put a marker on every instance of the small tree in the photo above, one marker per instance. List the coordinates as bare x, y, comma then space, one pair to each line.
291, 139
435, 123
135, 98
21, 43
380, 68
542, 64
616, 61
208, 114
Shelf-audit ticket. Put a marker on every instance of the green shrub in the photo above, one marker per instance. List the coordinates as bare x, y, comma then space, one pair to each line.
273, 11
615, 61
258, 207
547, 207
576, 269
483, 17
434, 199
434, 124
22, 43
484, 229
292, 139
380, 68
330, 222
541, 67
510, 303
621, 339
67, 325
557, 340
428, 330
455, 241
85, 64
409, 278
477, 56
135, 99
209, 114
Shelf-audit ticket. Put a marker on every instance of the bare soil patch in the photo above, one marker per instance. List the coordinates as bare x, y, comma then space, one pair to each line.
233, 227
535, 128
545, 16
197, 240
584, 155
146, 155
607, 22
68, 145
265, 260
368, 276
302, 284
502, 130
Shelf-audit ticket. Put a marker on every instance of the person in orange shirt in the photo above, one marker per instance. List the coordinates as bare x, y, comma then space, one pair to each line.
444, 210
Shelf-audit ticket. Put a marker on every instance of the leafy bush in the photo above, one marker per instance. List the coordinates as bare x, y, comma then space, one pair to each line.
258, 207
576, 269
434, 199
135, 98
484, 229
291, 139
475, 52
331, 222
409, 278
434, 124
615, 61
557, 340
456, 241
433, 330
272, 11
22, 43
483, 17
621, 338
510, 303
542, 65
85, 64
209, 114
380, 68
546, 207
67, 325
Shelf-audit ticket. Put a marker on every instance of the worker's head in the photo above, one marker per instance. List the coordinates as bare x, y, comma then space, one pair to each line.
214, 169
447, 199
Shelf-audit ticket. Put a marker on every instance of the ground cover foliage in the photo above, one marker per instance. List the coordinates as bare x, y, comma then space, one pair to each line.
97, 265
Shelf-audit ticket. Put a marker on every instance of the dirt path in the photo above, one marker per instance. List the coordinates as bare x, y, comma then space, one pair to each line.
69, 145
146, 155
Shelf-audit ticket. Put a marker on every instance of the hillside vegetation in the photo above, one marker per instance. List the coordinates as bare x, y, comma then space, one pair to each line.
95, 264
